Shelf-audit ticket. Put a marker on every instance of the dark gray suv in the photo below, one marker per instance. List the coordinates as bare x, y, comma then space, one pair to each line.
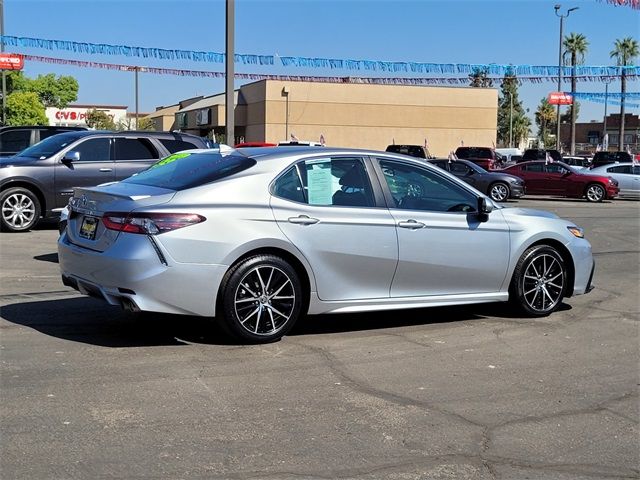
38, 181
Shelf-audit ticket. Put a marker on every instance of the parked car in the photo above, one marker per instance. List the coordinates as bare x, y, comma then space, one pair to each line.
299, 143
497, 185
605, 158
39, 181
16, 139
557, 178
626, 174
311, 231
484, 156
254, 144
532, 154
417, 151
576, 162
507, 155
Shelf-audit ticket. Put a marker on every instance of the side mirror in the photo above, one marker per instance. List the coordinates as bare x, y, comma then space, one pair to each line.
71, 157
484, 206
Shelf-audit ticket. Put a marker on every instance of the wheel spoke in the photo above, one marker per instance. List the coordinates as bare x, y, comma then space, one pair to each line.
532, 290
245, 286
280, 289
264, 290
250, 315
533, 300
273, 323
258, 318
244, 300
554, 285
283, 297
534, 268
275, 310
553, 260
544, 289
553, 278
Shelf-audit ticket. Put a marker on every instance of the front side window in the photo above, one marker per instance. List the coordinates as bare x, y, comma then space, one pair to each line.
554, 168
94, 150
134, 149
533, 167
460, 169
415, 188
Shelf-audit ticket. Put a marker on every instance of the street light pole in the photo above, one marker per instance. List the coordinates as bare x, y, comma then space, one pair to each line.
606, 100
4, 75
230, 73
137, 69
562, 17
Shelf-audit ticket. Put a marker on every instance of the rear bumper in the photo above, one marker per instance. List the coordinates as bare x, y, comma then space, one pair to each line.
137, 275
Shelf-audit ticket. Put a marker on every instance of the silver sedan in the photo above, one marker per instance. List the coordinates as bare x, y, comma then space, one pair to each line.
627, 174
258, 237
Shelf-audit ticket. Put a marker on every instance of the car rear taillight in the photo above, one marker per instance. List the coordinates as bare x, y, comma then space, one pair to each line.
149, 223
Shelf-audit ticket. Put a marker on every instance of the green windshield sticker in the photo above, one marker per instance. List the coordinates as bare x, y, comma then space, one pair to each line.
170, 159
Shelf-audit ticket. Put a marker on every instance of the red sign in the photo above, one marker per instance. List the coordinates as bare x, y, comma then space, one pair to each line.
560, 98
11, 61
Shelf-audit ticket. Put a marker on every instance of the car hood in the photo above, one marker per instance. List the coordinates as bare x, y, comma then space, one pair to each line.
526, 212
16, 161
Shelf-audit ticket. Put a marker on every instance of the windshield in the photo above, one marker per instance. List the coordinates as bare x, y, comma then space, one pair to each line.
50, 146
187, 170
476, 167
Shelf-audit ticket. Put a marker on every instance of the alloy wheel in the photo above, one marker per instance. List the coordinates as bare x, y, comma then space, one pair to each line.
499, 192
595, 193
543, 282
18, 211
264, 300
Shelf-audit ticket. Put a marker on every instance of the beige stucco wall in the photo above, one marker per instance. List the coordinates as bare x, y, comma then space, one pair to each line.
372, 116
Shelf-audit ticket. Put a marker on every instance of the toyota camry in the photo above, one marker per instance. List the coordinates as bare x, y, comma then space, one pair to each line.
258, 237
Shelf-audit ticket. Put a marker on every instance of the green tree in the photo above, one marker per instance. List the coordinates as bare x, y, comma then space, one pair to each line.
25, 108
624, 52
55, 92
546, 121
99, 120
479, 79
566, 116
575, 47
511, 114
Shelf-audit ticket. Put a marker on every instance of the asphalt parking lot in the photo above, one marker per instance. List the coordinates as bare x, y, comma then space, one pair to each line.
88, 391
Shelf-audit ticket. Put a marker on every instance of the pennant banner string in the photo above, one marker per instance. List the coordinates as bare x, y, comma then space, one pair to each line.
305, 78
635, 4
306, 62
600, 95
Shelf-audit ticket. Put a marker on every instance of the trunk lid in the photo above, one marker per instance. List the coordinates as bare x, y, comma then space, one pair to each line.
85, 227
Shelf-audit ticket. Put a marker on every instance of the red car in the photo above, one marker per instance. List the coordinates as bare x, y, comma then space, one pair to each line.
484, 156
557, 178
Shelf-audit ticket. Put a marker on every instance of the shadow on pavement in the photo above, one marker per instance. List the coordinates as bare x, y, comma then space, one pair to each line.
91, 321
48, 257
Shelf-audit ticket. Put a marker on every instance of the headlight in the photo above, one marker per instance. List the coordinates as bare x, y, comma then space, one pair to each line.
576, 231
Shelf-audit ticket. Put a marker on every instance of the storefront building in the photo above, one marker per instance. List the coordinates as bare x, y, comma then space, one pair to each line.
350, 115
76, 115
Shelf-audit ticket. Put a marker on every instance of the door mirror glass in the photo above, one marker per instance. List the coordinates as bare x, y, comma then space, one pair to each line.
71, 157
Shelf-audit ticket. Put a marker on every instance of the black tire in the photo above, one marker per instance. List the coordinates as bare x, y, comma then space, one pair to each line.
499, 192
595, 192
534, 291
20, 209
261, 299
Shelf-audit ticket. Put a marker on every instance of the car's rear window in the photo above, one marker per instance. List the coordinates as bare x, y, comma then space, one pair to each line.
411, 150
187, 170
474, 152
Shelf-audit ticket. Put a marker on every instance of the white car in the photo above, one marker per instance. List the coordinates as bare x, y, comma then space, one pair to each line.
627, 174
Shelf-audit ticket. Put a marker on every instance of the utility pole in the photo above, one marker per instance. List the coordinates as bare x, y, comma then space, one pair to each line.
562, 17
510, 119
4, 75
137, 69
229, 73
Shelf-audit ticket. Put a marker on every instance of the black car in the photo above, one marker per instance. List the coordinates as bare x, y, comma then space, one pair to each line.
498, 186
39, 181
605, 158
417, 151
540, 154
16, 139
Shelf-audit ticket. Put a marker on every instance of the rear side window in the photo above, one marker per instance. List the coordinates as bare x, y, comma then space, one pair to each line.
411, 150
187, 170
15, 140
134, 149
177, 145
620, 169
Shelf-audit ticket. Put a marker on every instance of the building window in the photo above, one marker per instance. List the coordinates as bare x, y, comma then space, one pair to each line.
202, 116
181, 119
628, 138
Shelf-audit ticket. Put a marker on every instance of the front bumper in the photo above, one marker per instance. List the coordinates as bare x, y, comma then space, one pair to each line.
517, 191
584, 266
612, 191
138, 275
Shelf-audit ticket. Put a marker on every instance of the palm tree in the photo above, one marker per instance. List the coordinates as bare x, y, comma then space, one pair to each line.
575, 47
546, 119
624, 52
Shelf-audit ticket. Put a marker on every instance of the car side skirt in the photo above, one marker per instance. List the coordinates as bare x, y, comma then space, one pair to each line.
317, 306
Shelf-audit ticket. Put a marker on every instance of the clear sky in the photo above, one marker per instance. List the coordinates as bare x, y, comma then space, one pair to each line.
453, 31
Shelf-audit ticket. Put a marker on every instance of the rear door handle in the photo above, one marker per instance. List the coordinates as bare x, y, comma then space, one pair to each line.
411, 224
302, 220
106, 170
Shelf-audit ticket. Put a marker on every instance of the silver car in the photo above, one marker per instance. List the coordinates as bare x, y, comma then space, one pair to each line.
627, 174
258, 237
